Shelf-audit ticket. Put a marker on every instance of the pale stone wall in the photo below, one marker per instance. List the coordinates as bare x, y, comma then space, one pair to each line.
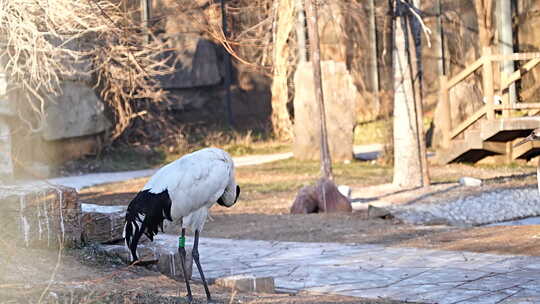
6, 110
340, 97
6, 162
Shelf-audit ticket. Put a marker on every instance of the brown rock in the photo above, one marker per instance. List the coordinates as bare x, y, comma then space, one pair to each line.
102, 224
310, 199
37, 214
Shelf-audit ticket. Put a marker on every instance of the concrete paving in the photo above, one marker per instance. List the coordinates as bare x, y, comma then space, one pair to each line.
374, 271
93, 179
364, 152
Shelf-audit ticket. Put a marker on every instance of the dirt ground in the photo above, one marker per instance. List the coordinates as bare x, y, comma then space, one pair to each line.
265, 216
262, 213
83, 276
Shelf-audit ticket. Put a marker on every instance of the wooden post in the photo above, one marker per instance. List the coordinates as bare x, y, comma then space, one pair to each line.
446, 123
313, 33
146, 13
487, 77
509, 151
504, 93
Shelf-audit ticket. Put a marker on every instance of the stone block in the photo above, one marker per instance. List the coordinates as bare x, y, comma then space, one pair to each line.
248, 283
37, 214
77, 111
468, 181
168, 260
102, 224
378, 212
340, 97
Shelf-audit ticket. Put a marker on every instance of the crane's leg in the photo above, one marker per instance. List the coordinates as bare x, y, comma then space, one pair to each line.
195, 254
182, 253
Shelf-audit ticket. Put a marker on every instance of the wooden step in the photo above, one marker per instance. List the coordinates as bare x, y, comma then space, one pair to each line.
508, 129
526, 151
470, 150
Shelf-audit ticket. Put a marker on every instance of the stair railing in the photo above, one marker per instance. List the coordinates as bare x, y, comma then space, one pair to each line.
486, 63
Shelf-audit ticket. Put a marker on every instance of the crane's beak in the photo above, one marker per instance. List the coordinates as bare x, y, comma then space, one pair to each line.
525, 140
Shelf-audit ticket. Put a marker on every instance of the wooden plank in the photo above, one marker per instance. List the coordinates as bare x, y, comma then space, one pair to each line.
446, 123
496, 147
519, 151
468, 122
518, 106
519, 73
515, 56
463, 74
505, 97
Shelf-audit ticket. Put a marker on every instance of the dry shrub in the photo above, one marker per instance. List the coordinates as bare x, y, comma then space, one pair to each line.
97, 41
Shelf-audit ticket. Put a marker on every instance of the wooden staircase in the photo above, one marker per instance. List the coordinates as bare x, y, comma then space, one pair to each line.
492, 129
494, 137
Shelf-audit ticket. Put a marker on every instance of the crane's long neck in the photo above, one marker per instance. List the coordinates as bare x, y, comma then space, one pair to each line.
229, 197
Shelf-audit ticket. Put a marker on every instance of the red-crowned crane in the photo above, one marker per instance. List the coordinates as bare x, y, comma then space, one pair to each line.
535, 135
184, 189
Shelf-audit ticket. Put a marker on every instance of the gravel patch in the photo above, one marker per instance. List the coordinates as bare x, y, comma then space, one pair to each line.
484, 208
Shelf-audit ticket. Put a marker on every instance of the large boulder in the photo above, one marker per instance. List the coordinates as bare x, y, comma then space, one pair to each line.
340, 97
6, 161
6, 110
310, 199
77, 111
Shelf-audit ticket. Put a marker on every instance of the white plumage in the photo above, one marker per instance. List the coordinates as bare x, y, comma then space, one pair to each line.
195, 182
184, 189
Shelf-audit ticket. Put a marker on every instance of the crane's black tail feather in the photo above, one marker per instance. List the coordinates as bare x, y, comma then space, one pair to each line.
154, 208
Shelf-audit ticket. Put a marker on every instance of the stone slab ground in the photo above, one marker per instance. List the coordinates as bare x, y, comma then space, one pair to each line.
373, 271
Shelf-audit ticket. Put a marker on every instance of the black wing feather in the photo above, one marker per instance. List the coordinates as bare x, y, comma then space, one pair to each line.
155, 207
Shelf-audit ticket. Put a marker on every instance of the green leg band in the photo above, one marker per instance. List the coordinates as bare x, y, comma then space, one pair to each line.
181, 241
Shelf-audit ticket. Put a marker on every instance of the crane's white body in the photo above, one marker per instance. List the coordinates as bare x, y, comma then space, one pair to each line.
195, 182
182, 190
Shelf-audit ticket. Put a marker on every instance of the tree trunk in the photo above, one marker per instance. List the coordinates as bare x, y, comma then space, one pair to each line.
485, 26
410, 163
281, 121
301, 31
315, 55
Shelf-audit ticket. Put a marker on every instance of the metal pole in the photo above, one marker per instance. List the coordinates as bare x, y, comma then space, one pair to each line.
313, 32
146, 7
228, 68
506, 41
439, 39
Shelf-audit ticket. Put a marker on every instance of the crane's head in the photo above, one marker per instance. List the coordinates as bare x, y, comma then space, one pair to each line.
535, 135
226, 200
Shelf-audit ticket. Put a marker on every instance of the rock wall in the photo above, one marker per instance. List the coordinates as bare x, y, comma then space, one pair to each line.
197, 87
